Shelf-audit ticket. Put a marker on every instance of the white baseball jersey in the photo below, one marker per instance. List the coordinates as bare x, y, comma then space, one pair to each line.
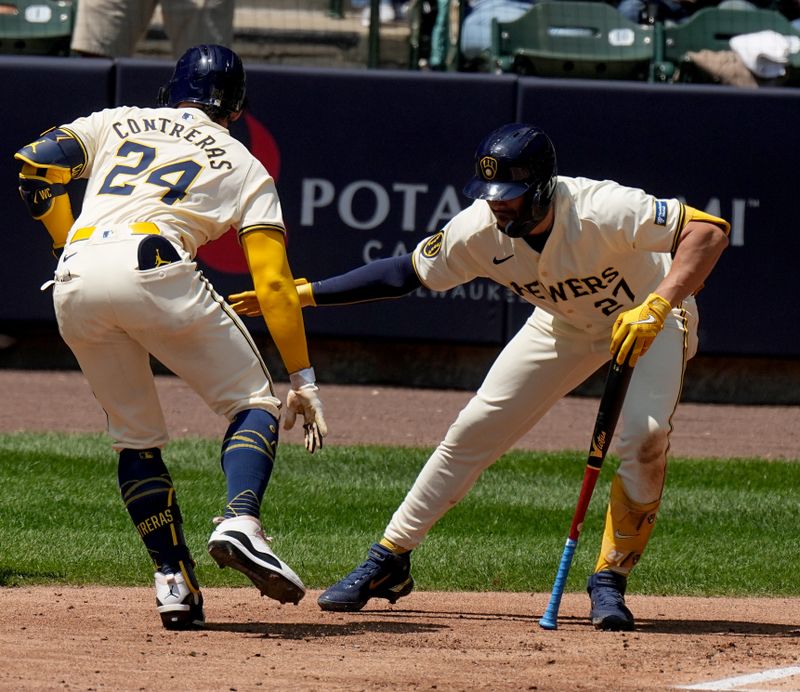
610, 246
143, 162
173, 174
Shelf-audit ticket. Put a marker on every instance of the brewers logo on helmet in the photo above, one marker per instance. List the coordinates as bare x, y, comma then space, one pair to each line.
488, 167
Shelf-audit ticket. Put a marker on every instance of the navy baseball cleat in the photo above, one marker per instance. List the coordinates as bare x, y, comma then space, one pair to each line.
240, 543
384, 575
607, 591
178, 606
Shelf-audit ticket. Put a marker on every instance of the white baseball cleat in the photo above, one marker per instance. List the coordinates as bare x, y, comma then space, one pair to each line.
240, 543
180, 609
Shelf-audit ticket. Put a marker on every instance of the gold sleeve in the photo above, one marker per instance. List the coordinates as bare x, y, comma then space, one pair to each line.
692, 214
265, 250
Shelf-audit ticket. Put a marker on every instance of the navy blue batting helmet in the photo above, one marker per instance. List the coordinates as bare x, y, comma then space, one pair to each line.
512, 160
207, 74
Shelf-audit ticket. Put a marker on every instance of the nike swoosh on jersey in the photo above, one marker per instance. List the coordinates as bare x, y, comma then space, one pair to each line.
495, 260
71, 254
649, 320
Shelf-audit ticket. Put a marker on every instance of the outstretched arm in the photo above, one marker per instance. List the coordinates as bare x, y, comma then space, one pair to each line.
380, 280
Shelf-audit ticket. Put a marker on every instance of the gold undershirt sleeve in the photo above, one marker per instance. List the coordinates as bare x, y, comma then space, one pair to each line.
265, 250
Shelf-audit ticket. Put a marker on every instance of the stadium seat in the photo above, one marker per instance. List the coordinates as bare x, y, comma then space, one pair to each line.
573, 38
712, 29
36, 27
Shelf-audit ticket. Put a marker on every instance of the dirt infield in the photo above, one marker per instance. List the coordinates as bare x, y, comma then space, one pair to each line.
55, 637
109, 639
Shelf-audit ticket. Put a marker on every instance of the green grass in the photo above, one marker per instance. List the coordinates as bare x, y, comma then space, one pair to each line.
725, 528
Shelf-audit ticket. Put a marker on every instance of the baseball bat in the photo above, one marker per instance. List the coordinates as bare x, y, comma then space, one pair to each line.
616, 386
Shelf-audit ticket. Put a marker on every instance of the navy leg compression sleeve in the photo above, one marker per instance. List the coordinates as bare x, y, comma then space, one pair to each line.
149, 497
248, 454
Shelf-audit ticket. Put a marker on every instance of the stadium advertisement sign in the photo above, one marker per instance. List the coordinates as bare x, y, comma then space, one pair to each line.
369, 163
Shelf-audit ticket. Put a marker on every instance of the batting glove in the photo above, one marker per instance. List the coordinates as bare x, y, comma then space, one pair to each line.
303, 398
246, 302
305, 293
635, 329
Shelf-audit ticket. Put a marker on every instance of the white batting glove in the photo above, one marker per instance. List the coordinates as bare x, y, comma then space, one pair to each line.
303, 398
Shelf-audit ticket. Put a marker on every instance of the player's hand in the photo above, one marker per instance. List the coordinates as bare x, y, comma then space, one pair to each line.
635, 329
303, 398
245, 303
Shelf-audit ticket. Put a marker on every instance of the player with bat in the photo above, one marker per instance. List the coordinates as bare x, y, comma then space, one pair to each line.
609, 268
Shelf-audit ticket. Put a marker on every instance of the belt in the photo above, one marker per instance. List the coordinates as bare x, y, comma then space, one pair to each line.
138, 228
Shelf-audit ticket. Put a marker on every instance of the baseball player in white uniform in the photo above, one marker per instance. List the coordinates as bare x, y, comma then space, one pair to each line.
162, 182
609, 269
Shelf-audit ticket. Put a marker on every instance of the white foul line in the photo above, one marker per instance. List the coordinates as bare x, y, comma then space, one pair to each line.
740, 681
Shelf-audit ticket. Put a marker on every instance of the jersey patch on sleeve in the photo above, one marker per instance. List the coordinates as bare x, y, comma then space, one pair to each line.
660, 212
433, 245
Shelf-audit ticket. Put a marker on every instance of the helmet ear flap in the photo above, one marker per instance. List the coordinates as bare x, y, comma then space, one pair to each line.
163, 96
543, 197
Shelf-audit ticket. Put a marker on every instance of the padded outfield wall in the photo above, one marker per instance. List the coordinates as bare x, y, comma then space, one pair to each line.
370, 162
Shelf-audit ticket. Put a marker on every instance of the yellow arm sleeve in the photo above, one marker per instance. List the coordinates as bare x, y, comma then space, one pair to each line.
693, 214
265, 251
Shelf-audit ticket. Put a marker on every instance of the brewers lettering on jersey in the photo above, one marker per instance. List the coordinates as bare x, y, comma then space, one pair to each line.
161, 182
611, 271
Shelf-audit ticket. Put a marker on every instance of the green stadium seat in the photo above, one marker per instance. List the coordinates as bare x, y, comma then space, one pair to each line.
573, 38
36, 27
712, 29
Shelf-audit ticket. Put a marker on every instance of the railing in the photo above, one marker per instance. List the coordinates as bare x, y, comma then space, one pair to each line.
429, 34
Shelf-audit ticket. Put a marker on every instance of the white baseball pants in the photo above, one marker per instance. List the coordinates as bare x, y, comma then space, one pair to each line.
113, 316
542, 363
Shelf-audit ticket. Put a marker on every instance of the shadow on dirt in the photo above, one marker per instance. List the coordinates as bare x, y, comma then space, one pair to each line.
390, 622
716, 627
304, 631
454, 615
727, 627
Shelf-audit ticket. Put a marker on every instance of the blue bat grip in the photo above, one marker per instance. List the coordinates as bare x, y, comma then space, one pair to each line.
549, 621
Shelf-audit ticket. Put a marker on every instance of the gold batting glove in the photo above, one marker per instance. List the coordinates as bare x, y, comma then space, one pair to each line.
245, 303
635, 329
305, 293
